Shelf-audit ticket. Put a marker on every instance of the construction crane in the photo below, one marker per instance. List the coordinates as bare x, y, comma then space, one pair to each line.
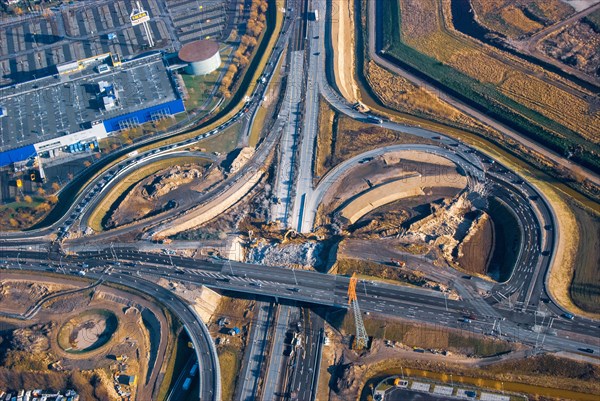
361, 333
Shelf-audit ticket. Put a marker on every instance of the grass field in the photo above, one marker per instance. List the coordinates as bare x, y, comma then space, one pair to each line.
426, 336
404, 96
353, 137
267, 107
585, 287
20, 215
177, 356
371, 270
230, 362
325, 139
198, 88
515, 92
223, 143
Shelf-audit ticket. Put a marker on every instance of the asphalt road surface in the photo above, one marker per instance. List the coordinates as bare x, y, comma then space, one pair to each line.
329, 290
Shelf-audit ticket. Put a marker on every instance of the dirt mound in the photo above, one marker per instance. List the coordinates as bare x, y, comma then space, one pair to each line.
32, 339
87, 331
383, 224
576, 45
160, 192
21, 290
441, 228
242, 158
305, 254
475, 252
20, 295
344, 377
162, 184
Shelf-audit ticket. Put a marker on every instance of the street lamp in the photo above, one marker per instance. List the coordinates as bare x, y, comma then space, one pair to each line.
446, 301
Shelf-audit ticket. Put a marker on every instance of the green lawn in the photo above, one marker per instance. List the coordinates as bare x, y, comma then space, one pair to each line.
223, 143
229, 360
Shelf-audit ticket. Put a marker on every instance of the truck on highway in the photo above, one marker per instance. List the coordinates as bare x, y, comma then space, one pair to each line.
186, 384
372, 119
194, 369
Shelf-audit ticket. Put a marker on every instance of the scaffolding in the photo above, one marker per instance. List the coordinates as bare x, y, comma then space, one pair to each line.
159, 115
362, 339
129, 123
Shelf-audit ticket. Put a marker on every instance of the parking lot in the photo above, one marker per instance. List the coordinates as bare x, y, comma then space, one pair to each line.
195, 19
31, 47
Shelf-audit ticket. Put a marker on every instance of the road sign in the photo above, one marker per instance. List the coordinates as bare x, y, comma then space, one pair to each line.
138, 18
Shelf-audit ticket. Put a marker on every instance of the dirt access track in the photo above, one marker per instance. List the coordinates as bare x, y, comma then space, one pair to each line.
388, 178
409, 184
212, 209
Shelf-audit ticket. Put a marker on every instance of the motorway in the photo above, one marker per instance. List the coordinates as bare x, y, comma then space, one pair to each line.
315, 34
254, 354
522, 291
210, 382
329, 290
274, 378
305, 377
291, 113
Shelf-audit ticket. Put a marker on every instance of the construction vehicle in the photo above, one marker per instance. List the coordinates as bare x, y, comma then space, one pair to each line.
358, 106
400, 383
397, 262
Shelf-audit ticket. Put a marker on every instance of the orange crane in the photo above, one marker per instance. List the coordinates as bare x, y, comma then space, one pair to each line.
362, 339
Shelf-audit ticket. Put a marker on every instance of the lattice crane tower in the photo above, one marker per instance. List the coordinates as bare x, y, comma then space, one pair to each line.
361, 333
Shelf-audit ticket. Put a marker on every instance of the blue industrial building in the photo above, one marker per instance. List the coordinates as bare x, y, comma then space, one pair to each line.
17, 155
117, 105
143, 116
111, 125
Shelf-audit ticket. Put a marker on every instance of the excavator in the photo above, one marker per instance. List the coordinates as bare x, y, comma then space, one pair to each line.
397, 262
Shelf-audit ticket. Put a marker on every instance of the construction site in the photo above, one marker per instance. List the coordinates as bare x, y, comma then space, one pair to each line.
118, 340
